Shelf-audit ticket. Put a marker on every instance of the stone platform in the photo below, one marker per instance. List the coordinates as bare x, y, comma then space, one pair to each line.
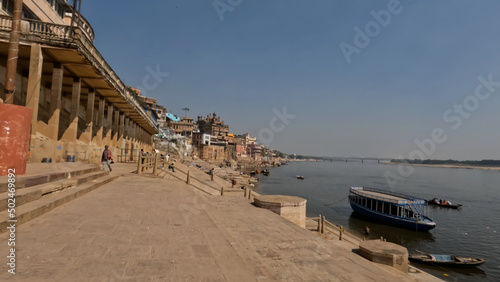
385, 253
154, 229
290, 207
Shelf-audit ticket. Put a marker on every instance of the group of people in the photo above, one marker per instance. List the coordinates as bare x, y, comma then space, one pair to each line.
441, 202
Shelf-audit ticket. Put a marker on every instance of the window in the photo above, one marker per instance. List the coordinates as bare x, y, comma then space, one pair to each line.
57, 7
8, 6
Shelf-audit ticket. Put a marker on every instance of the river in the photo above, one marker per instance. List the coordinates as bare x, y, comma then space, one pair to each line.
473, 230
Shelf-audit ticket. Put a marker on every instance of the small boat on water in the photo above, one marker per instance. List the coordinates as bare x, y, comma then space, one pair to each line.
265, 172
391, 208
300, 177
445, 204
446, 260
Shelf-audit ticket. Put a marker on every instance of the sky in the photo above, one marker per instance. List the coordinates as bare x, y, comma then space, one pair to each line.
386, 79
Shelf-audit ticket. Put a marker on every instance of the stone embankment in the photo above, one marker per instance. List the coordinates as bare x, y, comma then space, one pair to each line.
159, 228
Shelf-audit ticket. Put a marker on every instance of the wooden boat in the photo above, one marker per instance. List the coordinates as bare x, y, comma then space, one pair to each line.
446, 260
300, 177
436, 203
391, 208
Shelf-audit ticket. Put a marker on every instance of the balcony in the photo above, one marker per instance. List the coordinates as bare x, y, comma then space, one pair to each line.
71, 47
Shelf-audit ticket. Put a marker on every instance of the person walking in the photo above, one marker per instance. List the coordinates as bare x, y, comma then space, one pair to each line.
106, 157
212, 171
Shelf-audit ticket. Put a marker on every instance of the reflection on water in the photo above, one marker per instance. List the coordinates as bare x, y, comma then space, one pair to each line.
393, 234
473, 272
473, 230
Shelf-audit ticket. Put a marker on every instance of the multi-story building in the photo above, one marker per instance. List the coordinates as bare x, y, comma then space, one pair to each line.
212, 153
214, 126
210, 148
254, 151
182, 127
79, 104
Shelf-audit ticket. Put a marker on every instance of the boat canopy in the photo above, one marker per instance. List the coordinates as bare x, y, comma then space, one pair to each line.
387, 196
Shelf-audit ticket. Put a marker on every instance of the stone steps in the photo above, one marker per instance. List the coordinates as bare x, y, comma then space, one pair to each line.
29, 181
33, 193
36, 195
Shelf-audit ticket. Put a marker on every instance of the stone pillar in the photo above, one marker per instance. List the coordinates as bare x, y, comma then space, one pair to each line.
137, 134
34, 79
55, 101
100, 122
109, 125
121, 135
126, 133
121, 129
116, 127
71, 132
89, 121
125, 127
132, 141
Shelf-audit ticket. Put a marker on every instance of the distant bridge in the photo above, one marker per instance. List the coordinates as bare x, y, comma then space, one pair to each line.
361, 160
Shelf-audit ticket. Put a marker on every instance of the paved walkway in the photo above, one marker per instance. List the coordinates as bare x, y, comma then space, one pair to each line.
149, 229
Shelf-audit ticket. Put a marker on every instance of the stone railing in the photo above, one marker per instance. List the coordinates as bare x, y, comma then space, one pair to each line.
5, 23
48, 29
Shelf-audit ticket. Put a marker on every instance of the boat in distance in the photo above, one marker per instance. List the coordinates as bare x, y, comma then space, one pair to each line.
444, 204
446, 260
392, 208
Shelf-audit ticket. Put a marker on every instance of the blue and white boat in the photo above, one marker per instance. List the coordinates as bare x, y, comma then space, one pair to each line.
391, 208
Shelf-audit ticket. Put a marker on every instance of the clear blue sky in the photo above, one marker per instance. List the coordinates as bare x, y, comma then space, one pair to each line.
266, 55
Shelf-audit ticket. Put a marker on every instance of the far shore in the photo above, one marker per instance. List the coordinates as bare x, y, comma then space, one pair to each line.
497, 168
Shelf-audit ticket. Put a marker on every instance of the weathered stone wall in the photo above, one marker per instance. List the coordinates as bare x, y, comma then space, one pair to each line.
289, 207
385, 253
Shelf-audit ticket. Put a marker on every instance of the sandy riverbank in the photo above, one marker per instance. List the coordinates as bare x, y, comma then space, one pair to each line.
450, 166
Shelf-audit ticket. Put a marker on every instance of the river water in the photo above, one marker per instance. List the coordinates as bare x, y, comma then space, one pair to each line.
473, 230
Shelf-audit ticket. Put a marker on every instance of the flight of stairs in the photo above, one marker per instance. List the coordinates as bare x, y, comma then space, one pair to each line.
36, 195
